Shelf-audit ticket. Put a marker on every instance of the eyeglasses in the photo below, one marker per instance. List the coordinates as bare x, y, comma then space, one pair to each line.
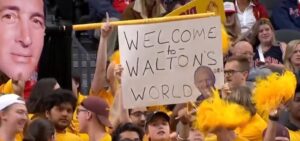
81, 110
139, 114
231, 72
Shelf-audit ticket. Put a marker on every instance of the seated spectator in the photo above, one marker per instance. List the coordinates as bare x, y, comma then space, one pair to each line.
268, 52
40, 130
13, 117
244, 48
232, 23
58, 108
292, 57
286, 15
92, 115
143, 9
128, 132
249, 11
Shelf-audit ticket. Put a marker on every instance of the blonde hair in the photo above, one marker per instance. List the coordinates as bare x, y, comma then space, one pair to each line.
289, 53
255, 30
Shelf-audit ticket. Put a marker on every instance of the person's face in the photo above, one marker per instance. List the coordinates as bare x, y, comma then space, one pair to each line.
129, 136
159, 129
204, 80
234, 76
295, 58
243, 48
265, 34
294, 107
138, 116
195, 135
82, 116
60, 115
15, 116
22, 37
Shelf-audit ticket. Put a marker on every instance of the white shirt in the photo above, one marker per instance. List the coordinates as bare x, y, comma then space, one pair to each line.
246, 18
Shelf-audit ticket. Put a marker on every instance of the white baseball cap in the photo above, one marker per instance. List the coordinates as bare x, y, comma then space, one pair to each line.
9, 99
229, 7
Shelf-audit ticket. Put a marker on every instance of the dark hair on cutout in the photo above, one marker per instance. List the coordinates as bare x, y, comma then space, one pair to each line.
127, 127
58, 97
39, 130
41, 89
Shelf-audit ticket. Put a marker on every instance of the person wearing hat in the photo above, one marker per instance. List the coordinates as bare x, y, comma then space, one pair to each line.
92, 115
13, 117
157, 126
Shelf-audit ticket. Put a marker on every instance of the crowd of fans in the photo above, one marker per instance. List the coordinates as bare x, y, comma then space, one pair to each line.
55, 114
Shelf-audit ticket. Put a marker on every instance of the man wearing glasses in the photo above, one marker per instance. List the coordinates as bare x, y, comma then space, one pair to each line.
236, 71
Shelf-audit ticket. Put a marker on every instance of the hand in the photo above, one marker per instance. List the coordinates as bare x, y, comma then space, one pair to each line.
226, 90
118, 72
106, 28
18, 87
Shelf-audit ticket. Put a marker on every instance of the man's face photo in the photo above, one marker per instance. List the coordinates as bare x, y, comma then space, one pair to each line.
204, 79
22, 29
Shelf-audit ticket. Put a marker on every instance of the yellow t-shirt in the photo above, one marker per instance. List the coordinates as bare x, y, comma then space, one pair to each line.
253, 130
74, 126
294, 135
7, 87
213, 137
67, 137
107, 137
106, 95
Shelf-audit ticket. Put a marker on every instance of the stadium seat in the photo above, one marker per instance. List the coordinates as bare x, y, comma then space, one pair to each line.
287, 35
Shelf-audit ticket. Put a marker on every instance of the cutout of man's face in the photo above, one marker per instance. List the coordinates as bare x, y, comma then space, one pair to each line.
22, 29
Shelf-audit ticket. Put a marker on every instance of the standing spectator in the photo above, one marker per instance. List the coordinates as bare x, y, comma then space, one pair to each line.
92, 115
232, 23
158, 126
40, 130
13, 116
126, 132
249, 11
58, 108
286, 15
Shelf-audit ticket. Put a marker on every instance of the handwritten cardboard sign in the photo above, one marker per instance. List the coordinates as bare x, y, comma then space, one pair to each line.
159, 60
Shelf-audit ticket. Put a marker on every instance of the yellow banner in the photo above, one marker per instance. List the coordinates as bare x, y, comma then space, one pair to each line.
201, 6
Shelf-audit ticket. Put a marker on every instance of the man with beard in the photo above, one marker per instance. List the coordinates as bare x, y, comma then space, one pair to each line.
58, 108
138, 116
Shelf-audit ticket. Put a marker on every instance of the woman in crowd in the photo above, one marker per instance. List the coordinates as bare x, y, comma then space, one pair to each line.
42, 88
268, 52
292, 57
40, 130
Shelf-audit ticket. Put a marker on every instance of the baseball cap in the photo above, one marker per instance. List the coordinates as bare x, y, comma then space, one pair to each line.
281, 132
151, 116
10, 99
99, 107
229, 7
